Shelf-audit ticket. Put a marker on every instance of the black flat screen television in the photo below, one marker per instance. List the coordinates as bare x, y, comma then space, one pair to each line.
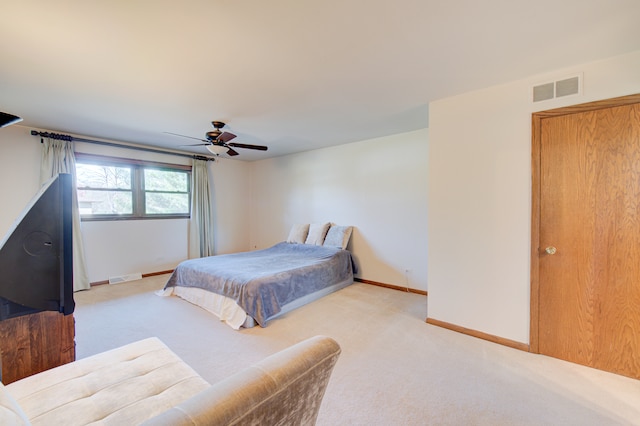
36, 265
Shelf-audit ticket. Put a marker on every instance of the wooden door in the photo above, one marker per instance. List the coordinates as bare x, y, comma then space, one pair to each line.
587, 246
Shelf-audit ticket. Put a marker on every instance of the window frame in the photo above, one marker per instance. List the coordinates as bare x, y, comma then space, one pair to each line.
137, 186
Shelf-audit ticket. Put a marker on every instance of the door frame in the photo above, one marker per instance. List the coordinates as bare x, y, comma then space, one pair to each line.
536, 125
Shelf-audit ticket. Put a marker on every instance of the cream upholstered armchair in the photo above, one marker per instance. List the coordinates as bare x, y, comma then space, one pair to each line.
146, 383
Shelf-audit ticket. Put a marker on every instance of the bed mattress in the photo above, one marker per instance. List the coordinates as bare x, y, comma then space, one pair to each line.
262, 284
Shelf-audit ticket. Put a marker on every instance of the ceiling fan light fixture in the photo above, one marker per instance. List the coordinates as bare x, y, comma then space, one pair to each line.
217, 141
216, 149
213, 135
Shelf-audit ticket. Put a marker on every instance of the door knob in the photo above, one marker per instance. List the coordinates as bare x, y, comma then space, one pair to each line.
550, 250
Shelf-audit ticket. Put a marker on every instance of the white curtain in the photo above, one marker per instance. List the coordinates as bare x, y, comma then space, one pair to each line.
58, 157
200, 225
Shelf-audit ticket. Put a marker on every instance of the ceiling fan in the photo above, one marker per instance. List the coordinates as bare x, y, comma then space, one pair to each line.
217, 141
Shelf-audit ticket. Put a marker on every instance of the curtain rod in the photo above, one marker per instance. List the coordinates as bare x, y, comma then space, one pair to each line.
117, 145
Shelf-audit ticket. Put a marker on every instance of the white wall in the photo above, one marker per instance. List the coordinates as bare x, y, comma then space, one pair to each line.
378, 186
479, 195
231, 205
19, 172
122, 247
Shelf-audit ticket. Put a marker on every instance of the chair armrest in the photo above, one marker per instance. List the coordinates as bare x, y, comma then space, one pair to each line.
285, 388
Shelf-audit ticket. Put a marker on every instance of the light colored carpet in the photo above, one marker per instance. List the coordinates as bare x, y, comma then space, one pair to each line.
394, 369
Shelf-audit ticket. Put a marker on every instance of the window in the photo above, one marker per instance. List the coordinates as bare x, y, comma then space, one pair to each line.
115, 188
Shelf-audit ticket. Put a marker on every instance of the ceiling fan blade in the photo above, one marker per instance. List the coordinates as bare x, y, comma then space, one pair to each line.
225, 137
197, 144
183, 136
231, 152
246, 146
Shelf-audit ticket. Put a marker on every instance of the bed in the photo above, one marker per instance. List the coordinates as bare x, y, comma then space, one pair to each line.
249, 288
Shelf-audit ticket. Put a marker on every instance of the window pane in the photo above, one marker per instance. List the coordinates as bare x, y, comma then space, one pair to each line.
112, 189
105, 202
164, 180
96, 176
163, 203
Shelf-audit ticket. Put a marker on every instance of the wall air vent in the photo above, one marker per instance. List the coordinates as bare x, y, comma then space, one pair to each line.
543, 92
123, 278
557, 89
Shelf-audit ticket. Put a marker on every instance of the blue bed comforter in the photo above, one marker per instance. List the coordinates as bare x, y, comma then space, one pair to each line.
263, 281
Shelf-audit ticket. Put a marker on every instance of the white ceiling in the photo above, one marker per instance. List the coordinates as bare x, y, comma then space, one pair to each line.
291, 74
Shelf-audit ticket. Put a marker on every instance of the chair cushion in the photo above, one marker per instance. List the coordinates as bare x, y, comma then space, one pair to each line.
126, 385
10, 412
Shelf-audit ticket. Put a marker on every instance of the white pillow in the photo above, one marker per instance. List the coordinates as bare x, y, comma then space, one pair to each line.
338, 236
317, 232
298, 233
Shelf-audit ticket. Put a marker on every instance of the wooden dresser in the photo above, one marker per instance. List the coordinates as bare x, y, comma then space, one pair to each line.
33, 343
